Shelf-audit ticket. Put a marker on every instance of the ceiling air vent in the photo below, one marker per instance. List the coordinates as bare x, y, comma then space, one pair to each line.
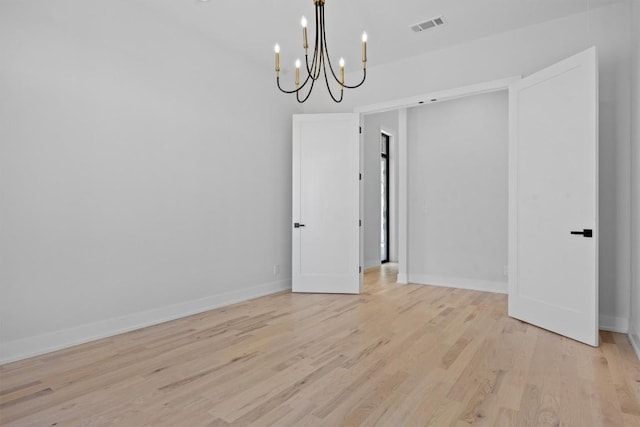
431, 23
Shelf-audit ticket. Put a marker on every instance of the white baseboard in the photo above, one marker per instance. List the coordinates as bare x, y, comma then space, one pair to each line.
459, 283
371, 263
635, 342
607, 323
402, 279
614, 324
34, 346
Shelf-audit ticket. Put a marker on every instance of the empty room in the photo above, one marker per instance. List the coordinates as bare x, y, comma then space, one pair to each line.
319, 213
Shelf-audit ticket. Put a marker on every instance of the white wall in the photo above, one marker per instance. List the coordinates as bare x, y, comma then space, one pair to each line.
635, 184
374, 124
522, 52
457, 176
138, 179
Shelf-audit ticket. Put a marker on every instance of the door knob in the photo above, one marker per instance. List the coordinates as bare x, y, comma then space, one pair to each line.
297, 225
585, 232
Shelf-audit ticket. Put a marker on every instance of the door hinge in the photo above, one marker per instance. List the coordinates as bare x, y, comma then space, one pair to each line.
360, 269
360, 177
360, 223
360, 129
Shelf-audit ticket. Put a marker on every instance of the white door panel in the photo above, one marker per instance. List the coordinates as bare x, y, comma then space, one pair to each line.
553, 155
326, 203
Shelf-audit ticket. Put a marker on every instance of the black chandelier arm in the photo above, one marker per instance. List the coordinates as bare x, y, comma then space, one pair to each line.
364, 77
311, 72
284, 90
337, 100
326, 80
325, 46
306, 80
296, 91
318, 58
326, 49
314, 74
313, 82
316, 49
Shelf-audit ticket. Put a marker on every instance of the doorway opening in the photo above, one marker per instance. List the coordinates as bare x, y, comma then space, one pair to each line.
384, 198
399, 247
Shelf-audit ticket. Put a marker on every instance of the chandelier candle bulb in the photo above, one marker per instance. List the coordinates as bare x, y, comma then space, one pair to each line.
364, 47
303, 21
277, 50
297, 72
342, 71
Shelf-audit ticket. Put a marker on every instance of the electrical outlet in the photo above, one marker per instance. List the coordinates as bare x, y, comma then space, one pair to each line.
276, 269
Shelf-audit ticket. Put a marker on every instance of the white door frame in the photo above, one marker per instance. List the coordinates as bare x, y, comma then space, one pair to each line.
402, 144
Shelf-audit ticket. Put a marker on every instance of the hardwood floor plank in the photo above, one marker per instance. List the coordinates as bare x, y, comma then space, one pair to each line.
396, 355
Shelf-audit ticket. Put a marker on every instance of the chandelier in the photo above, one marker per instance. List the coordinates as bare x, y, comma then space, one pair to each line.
320, 62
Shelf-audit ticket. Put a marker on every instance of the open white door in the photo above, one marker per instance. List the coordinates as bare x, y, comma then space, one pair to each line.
326, 203
553, 198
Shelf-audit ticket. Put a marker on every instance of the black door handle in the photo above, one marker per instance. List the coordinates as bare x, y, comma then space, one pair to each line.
586, 232
297, 225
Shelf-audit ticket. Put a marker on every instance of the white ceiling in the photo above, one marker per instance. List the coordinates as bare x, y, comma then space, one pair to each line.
252, 27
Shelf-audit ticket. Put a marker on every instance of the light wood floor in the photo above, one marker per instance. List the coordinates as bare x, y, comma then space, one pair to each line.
398, 355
